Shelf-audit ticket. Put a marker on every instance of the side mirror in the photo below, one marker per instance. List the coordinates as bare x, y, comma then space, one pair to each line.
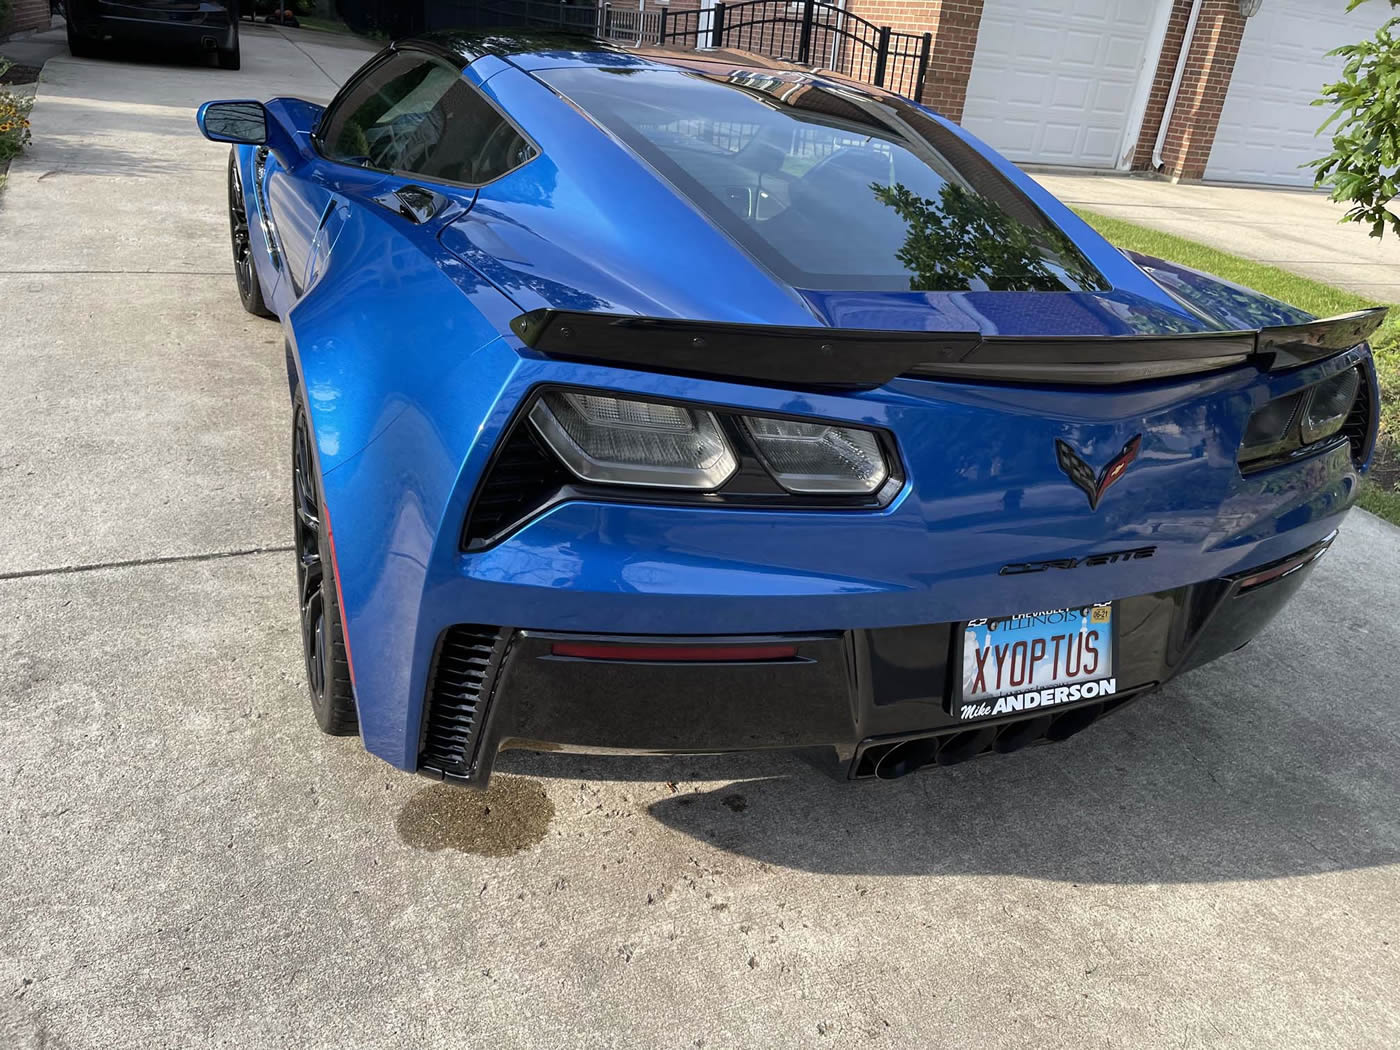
242, 122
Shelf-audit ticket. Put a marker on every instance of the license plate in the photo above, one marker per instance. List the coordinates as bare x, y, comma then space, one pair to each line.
1038, 660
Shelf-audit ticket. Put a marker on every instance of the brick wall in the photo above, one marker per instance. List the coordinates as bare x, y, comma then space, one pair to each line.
953, 24
1215, 44
1209, 66
26, 15
1161, 84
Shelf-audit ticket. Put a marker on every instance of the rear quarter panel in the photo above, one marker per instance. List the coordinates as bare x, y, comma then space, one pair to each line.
400, 366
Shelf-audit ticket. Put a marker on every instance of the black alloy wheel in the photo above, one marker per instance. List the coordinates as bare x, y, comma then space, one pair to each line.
322, 634
244, 271
80, 46
231, 57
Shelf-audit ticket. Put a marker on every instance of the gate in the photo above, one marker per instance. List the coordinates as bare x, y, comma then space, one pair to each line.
810, 32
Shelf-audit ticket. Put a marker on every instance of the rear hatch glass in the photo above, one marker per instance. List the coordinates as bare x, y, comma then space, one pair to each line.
832, 189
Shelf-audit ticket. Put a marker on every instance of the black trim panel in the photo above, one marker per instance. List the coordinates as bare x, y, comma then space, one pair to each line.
859, 358
844, 357
1293, 345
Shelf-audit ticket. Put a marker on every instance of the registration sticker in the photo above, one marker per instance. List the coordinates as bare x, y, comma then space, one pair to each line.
1036, 660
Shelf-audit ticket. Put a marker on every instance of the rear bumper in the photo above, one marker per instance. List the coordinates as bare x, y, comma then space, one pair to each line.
212, 27
852, 696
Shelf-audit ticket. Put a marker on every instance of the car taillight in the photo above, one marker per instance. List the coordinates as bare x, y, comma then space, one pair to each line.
1299, 423
622, 441
818, 457
1328, 406
661, 444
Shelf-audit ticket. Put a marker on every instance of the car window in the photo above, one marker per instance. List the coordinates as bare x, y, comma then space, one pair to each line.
833, 188
415, 114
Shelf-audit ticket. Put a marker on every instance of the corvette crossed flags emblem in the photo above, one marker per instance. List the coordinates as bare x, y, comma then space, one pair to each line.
1095, 485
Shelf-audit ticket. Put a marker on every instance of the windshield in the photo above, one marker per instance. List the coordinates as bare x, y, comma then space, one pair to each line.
832, 189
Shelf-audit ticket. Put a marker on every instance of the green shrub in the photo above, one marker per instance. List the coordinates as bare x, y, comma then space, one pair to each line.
1361, 169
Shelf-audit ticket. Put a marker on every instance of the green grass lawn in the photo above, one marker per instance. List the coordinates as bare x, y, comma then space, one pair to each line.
1381, 495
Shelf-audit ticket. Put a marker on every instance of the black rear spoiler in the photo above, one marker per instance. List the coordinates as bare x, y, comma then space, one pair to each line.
859, 358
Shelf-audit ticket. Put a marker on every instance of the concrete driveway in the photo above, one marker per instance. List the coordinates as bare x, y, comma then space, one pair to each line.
185, 862
1297, 230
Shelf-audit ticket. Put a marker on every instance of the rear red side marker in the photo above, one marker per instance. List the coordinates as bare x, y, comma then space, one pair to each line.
1278, 572
673, 653
339, 599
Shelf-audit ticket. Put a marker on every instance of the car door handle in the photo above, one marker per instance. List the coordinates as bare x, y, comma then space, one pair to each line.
415, 203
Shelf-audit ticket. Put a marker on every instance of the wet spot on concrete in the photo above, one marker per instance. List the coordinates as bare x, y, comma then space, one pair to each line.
512, 816
737, 803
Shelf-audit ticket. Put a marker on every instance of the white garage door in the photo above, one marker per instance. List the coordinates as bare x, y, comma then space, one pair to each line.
1053, 80
1268, 127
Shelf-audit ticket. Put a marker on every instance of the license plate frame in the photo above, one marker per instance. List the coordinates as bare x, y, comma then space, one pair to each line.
1033, 694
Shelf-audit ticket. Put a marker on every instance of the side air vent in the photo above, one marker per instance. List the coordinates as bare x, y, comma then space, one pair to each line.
464, 668
518, 482
1357, 428
259, 171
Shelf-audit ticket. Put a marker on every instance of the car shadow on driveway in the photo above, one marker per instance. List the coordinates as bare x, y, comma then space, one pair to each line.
1208, 780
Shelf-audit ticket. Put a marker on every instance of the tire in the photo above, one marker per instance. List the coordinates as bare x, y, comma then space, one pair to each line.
229, 57
80, 46
245, 271
322, 633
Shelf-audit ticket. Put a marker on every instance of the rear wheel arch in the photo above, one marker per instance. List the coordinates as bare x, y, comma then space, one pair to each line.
245, 269
325, 648
293, 381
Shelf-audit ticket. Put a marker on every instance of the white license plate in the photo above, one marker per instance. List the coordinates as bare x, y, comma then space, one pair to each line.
1038, 660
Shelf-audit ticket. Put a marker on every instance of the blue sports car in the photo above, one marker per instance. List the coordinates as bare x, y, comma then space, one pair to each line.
662, 402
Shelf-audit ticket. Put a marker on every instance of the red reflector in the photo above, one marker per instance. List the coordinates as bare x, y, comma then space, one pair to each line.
1278, 572
673, 653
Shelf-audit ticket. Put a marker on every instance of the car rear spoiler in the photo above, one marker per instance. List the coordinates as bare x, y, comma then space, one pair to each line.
859, 358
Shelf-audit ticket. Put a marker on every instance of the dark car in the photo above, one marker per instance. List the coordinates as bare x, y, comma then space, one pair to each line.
210, 25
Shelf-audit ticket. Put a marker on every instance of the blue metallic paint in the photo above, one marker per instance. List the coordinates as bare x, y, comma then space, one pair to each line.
400, 340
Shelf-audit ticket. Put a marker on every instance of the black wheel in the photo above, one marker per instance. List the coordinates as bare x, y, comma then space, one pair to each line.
79, 46
244, 271
229, 56
322, 636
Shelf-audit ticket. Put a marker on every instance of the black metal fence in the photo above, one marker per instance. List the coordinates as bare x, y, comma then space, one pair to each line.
809, 32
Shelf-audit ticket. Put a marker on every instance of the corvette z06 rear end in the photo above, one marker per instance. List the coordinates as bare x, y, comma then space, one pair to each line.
659, 402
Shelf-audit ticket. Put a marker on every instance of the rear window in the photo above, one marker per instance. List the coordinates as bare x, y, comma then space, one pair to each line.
832, 189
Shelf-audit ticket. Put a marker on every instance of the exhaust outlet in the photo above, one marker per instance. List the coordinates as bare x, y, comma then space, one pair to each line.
903, 759
891, 759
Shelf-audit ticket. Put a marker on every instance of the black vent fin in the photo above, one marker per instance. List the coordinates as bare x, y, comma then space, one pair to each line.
468, 656
1357, 427
521, 479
